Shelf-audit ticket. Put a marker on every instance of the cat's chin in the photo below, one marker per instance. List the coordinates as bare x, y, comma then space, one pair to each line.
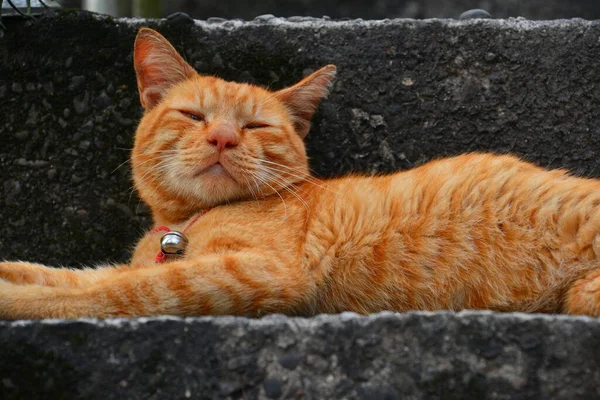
216, 177
216, 170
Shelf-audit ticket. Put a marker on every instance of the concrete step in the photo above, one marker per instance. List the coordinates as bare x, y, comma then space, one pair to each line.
531, 9
386, 356
336, 9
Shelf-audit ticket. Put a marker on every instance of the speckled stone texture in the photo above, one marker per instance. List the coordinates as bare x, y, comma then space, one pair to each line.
407, 91
530, 9
386, 356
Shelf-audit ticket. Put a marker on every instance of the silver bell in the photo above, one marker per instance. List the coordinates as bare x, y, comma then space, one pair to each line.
173, 242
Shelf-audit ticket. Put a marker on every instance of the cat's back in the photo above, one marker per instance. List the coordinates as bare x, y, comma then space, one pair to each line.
480, 225
475, 202
460, 186
448, 186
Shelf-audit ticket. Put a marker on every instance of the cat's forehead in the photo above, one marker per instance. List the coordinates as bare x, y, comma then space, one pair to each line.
209, 94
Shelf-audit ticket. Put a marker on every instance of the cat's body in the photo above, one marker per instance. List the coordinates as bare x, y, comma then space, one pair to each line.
475, 231
473, 236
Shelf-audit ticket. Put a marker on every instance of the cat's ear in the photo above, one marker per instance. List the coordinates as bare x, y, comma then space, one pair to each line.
158, 66
302, 98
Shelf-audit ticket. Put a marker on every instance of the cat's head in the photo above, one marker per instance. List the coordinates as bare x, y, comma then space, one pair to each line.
204, 141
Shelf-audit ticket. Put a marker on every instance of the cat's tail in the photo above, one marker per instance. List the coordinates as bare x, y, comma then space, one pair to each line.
554, 299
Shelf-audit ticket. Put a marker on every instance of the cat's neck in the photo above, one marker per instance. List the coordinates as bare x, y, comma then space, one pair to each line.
300, 192
171, 218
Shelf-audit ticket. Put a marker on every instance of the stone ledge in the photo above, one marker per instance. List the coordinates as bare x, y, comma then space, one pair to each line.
408, 91
466, 355
531, 9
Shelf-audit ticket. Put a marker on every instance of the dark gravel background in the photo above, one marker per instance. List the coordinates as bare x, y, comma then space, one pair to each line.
407, 91
382, 357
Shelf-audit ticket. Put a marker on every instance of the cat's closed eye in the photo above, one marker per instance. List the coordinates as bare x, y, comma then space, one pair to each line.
256, 125
194, 116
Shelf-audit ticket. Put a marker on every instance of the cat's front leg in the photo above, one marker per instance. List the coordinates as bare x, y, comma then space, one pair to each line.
241, 283
25, 273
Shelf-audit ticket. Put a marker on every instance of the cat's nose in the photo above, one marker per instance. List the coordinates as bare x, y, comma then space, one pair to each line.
223, 137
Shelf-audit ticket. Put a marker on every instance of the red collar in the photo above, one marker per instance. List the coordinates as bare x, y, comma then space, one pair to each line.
162, 256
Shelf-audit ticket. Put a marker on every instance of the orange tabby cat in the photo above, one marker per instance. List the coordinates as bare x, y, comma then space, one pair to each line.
477, 231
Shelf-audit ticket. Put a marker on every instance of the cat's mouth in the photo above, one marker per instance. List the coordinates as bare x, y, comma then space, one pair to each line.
216, 169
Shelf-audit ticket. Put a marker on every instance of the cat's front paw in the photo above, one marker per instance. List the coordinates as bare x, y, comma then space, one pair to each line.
9, 300
22, 301
21, 273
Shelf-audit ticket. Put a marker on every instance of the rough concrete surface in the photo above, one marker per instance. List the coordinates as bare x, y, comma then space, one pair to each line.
530, 9
386, 356
407, 91
380, 9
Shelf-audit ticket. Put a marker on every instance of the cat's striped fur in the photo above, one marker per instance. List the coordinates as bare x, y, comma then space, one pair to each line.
475, 231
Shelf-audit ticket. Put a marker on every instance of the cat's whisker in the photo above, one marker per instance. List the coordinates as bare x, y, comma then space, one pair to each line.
298, 197
126, 161
277, 172
305, 178
131, 191
159, 168
285, 185
296, 170
298, 178
256, 184
273, 173
119, 166
275, 190
296, 173
254, 196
